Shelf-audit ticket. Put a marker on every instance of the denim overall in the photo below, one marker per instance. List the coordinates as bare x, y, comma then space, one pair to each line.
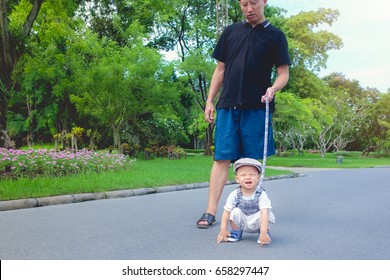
249, 207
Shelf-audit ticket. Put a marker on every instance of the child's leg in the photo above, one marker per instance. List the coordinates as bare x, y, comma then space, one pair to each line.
253, 222
237, 219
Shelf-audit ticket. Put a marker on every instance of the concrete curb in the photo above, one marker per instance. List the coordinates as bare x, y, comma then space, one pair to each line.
77, 198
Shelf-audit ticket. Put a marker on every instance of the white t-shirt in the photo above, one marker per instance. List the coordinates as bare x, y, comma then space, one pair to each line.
264, 202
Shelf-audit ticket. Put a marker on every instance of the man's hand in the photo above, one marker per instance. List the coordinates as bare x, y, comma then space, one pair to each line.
209, 113
270, 93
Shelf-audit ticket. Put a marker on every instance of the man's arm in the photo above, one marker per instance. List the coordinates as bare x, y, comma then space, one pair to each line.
215, 85
282, 77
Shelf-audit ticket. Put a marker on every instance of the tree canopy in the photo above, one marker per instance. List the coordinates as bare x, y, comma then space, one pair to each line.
99, 66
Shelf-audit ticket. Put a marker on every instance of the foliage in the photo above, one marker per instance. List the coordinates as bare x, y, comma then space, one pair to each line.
42, 162
198, 127
38, 66
376, 127
191, 27
111, 18
293, 121
352, 104
98, 65
155, 130
308, 45
115, 89
306, 84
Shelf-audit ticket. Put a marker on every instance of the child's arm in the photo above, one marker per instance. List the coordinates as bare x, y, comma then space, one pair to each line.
264, 237
224, 233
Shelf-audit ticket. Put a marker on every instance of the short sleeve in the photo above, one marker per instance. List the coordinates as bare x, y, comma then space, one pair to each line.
282, 56
231, 201
264, 201
219, 52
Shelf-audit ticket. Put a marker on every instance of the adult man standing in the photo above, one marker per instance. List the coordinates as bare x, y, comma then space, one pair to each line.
246, 53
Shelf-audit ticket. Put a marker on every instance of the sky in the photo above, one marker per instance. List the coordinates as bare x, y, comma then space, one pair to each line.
364, 27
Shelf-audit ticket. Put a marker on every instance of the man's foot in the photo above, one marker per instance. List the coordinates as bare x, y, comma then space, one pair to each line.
206, 221
235, 235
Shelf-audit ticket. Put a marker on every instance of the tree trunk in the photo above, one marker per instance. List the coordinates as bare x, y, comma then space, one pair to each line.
117, 138
209, 139
4, 138
280, 148
30, 135
3, 118
92, 143
368, 150
6, 56
371, 148
5, 73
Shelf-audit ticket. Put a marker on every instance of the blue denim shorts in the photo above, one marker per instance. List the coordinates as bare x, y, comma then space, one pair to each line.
240, 133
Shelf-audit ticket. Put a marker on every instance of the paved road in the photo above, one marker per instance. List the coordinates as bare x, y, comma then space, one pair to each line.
328, 214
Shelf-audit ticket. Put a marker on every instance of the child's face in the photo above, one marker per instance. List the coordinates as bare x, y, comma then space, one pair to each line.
248, 177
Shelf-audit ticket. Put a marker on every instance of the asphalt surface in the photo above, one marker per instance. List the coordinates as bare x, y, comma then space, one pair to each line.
326, 215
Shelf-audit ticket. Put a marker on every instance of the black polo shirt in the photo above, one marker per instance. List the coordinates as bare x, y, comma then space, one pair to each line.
249, 55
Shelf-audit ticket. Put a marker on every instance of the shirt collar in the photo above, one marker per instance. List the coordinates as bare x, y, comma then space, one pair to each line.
264, 24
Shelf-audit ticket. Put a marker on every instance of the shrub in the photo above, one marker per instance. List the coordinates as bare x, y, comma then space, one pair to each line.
43, 162
175, 152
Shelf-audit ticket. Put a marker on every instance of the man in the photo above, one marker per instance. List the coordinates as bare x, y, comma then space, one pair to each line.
246, 53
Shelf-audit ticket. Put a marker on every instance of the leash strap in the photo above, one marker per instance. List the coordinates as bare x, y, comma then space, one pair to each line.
265, 140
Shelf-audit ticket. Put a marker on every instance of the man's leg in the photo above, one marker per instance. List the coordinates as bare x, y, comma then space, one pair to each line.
218, 179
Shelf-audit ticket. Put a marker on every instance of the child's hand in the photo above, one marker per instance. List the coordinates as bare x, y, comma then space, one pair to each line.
223, 235
264, 239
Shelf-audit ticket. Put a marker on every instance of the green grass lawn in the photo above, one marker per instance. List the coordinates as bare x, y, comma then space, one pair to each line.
349, 160
165, 172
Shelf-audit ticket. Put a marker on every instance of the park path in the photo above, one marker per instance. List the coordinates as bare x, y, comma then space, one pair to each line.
327, 214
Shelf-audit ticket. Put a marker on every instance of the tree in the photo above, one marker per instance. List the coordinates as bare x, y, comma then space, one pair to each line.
190, 26
292, 121
122, 84
111, 18
308, 45
323, 116
197, 129
157, 130
12, 47
112, 57
352, 104
376, 127
41, 76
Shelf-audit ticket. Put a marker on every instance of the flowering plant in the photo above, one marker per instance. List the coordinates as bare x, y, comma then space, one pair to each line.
43, 162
